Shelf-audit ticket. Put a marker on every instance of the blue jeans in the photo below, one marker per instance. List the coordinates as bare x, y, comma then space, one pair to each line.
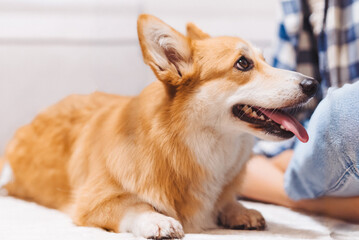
328, 165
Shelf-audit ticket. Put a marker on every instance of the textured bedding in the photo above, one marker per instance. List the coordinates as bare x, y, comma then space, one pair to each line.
25, 220
22, 220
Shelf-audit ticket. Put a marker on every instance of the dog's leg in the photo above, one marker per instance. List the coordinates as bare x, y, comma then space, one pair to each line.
232, 214
115, 210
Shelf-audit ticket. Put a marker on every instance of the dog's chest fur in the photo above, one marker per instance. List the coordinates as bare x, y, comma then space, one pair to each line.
223, 158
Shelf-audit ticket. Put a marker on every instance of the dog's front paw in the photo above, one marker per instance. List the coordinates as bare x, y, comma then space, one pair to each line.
153, 225
239, 217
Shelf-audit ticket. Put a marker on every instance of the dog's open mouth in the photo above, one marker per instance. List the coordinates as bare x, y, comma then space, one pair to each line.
272, 121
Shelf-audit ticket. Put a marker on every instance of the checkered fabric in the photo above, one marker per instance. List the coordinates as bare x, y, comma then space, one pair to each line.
297, 48
332, 57
338, 43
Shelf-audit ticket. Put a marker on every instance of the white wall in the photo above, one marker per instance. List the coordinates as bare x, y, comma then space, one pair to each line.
52, 48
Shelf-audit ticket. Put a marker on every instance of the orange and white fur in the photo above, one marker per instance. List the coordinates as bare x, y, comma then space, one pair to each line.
162, 163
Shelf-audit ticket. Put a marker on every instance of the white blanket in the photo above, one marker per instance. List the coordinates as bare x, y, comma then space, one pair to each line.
25, 220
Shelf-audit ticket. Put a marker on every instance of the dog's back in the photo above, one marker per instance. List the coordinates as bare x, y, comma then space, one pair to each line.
46, 144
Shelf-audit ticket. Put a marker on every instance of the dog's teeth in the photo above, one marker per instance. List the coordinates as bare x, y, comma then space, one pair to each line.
282, 127
249, 110
269, 120
254, 114
245, 108
262, 117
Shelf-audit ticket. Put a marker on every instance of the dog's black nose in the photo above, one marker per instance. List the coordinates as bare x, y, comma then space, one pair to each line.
309, 86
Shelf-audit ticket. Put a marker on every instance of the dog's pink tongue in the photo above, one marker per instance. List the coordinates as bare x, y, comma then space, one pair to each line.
289, 122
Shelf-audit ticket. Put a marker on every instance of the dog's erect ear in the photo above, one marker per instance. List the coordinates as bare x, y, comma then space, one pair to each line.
195, 33
164, 49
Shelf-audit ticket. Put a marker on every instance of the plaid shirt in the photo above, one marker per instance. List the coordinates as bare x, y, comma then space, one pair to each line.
331, 55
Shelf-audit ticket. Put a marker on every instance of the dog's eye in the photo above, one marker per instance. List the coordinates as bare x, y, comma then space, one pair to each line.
244, 64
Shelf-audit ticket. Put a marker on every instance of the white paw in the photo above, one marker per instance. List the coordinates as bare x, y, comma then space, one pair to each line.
154, 225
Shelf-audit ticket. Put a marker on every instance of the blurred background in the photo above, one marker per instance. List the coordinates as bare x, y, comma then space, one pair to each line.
50, 49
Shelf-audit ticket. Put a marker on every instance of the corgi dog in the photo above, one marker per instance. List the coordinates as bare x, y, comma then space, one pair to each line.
168, 161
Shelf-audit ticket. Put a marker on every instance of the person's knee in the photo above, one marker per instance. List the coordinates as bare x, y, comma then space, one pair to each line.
342, 106
318, 166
